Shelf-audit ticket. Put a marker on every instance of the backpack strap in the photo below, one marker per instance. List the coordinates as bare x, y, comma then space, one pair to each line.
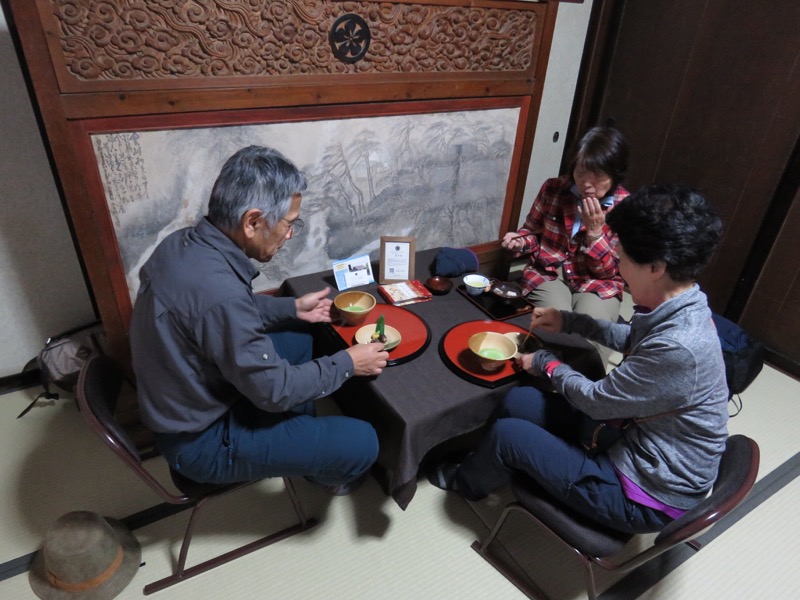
32, 365
677, 411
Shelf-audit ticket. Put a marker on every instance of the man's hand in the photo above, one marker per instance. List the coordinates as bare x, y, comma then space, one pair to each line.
314, 307
547, 319
368, 359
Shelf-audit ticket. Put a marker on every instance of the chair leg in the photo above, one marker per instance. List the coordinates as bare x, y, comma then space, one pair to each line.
181, 573
497, 526
530, 589
187, 537
694, 545
298, 508
588, 577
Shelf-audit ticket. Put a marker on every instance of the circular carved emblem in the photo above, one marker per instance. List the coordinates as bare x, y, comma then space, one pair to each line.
350, 38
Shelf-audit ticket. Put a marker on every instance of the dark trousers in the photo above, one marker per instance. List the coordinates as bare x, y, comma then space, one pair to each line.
248, 444
536, 434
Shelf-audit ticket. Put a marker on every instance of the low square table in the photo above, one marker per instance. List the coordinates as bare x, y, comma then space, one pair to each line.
420, 404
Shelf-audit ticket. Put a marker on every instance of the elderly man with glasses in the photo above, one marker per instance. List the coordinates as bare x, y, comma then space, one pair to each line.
225, 377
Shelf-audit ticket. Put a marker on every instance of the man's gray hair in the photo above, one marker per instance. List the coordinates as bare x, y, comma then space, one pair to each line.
254, 177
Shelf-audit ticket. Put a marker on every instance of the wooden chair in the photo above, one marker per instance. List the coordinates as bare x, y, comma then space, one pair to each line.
98, 389
598, 547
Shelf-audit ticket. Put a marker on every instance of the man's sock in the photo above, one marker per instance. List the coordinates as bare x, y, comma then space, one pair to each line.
443, 476
345, 489
341, 489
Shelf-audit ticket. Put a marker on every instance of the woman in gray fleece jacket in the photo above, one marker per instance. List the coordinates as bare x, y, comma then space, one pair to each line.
671, 383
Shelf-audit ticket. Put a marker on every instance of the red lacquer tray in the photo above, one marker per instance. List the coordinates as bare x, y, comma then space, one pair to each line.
414, 332
455, 352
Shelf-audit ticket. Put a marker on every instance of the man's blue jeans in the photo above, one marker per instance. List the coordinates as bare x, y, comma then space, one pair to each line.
247, 443
532, 435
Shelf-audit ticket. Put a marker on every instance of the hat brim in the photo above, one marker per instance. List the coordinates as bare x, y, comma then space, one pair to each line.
131, 559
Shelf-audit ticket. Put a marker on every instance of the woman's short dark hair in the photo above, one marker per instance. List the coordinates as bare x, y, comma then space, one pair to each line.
670, 223
602, 149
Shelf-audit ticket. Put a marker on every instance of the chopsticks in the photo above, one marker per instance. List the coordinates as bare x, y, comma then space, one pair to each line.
525, 341
519, 237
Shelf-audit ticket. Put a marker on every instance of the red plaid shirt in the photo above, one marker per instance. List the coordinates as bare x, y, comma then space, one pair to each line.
589, 266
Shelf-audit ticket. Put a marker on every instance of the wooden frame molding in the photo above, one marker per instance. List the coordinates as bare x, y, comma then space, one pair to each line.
103, 65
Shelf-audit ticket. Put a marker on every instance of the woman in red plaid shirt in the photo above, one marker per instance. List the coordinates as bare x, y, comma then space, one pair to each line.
572, 264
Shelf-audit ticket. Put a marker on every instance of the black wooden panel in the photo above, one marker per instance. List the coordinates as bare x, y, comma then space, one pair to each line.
727, 136
773, 311
707, 94
646, 74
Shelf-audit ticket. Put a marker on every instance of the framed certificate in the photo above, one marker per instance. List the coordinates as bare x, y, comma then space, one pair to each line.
397, 259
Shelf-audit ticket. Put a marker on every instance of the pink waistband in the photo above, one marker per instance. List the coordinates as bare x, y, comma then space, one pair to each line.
636, 494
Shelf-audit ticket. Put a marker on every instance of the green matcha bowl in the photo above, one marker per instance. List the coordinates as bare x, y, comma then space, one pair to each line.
492, 349
353, 307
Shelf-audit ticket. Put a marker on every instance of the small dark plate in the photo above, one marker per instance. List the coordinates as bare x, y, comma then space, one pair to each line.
507, 290
439, 285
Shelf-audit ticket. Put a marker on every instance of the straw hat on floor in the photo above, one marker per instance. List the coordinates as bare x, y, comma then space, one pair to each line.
85, 557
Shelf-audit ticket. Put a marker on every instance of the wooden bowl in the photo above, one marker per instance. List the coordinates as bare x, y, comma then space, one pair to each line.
439, 285
353, 307
492, 349
393, 337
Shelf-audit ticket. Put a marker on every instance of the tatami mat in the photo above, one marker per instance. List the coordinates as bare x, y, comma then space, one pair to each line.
770, 414
364, 545
51, 463
753, 559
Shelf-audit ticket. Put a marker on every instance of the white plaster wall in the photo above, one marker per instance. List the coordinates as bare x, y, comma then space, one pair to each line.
557, 97
42, 291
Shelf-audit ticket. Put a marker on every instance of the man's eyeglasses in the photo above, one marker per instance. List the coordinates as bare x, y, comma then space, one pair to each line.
295, 226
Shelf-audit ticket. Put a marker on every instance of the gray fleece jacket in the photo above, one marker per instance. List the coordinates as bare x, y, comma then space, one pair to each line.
673, 360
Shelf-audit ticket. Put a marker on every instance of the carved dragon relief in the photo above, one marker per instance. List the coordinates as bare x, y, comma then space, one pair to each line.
107, 40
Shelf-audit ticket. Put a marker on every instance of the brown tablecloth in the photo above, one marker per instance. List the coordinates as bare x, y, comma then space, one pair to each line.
420, 404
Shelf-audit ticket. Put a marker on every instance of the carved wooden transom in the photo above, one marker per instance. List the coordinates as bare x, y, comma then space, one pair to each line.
166, 39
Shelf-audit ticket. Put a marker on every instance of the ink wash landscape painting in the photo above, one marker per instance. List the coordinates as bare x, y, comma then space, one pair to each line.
438, 177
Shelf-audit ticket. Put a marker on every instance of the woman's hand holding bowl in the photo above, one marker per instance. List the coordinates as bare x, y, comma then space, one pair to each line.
536, 362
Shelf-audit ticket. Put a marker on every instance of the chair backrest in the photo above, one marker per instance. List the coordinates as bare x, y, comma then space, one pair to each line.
735, 478
99, 385
737, 473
